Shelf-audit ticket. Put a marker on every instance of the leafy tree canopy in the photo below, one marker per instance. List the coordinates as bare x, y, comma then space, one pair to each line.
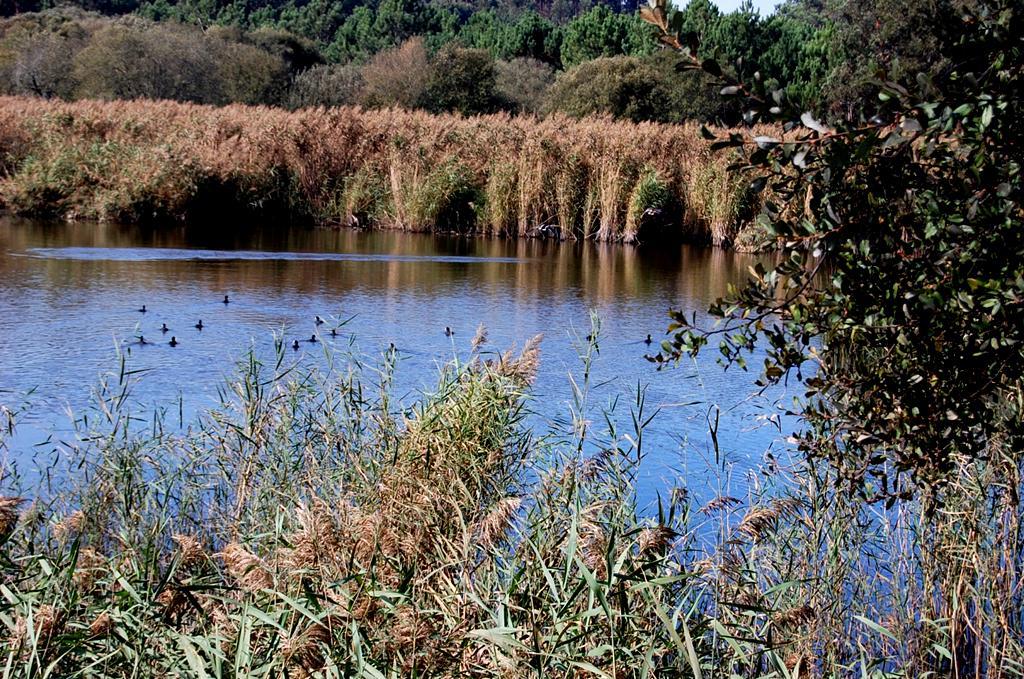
898, 301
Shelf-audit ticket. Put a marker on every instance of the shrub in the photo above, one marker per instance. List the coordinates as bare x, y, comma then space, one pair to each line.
327, 85
462, 80
523, 83
618, 86
138, 59
38, 62
397, 77
249, 75
636, 89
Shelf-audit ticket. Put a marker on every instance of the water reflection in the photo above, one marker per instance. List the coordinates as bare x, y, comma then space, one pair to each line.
70, 293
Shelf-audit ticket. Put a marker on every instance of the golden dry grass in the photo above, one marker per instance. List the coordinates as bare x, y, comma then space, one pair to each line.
497, 174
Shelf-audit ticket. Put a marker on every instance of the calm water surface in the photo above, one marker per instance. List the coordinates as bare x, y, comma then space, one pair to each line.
69, 296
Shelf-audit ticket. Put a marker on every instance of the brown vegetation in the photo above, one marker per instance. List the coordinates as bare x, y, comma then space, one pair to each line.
497, 174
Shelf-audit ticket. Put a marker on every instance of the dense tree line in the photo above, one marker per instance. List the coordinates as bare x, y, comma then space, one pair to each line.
579, 57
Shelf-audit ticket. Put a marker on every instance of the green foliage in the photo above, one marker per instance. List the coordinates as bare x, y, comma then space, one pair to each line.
799, 48
893, 40
523, 84
462, 80
444, 535
165, 61
368, 31
603, 33
635, 89
448, 199
530, 36
651, 207
69, 55
898, 300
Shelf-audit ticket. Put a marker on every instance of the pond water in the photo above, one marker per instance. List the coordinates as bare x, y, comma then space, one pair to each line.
70, 294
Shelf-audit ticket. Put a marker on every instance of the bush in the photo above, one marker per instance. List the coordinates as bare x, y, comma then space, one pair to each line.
327, 85
635, 89
134, 59
397, 76
523, 83
462, 80
37, 63
249, 75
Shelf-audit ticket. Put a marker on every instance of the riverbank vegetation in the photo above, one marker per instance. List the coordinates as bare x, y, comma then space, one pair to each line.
532, 56
500, 175
314, 524
70, 54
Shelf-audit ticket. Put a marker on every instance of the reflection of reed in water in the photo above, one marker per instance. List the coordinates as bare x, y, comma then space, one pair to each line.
599, 272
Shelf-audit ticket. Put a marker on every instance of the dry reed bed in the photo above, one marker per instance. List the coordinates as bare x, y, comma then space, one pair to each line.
501, 175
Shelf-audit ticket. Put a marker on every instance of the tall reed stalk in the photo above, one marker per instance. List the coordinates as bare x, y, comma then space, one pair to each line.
146, 160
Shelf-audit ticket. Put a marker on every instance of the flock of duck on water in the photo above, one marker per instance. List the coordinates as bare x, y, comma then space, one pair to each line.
448, 332
141, 339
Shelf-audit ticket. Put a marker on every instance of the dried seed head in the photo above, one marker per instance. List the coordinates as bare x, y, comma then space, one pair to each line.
759, 521
594, 466
721, 502
317, 542
101, 626
9, 516
306, 650
88, 568
246, 568
19, 633
524, 368
593, 545
654, 540
174, 603
480, 338
794, 617
70, 526
679, 496
49, 622
493, 527
190, 551
410, 627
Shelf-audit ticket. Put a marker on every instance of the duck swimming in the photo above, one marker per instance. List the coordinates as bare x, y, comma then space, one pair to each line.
164, 328
319, 321
648, 340
142, 340
448, 331
295, 345
334, 332
199, 325
312, 338
174, 341
226, 300
143, 309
